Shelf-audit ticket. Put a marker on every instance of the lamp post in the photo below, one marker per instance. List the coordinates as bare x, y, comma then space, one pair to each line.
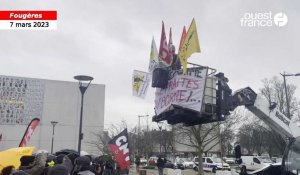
139, 129
286, 94
53, 126
159, 124
82, 88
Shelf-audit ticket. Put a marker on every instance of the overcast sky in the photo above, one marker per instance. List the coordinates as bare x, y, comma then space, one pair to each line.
108, 39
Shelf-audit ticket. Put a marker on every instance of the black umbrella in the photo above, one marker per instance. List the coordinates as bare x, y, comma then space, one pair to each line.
66, 152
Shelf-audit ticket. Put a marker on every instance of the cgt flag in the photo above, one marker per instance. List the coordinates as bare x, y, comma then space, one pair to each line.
29, 131
170, 45
164, 55
120, 149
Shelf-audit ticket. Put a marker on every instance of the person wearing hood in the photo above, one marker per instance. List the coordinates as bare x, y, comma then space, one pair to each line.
59, 158
38, 165
7, 170
58, 169
98, 166
67, 163
82, 166
27, 162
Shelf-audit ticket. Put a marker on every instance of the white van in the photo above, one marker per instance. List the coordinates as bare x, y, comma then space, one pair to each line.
253, 163
212, 164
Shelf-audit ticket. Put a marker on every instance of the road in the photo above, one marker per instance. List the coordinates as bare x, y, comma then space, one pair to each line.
184, 172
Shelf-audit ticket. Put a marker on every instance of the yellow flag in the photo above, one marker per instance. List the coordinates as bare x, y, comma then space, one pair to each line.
12, 156
140, 83
190, 46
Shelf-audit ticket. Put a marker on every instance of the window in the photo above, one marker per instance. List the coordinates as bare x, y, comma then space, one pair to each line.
217, 160
255, 160
292, 159
209, 160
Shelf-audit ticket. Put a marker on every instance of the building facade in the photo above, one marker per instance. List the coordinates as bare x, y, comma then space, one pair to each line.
22, 99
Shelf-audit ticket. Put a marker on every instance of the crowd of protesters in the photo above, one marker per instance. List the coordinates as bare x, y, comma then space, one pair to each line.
63, 164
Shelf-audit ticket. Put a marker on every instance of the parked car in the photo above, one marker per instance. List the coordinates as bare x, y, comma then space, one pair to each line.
187, 163
152, 161
169, 164
179, 166
211, 164
229, 160
143, 162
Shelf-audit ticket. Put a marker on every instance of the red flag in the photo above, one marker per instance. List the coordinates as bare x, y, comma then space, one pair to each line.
29, 131
170, 44
163, 48
182, 38
120, 149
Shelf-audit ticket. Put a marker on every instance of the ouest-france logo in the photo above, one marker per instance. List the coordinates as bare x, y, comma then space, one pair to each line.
264, 19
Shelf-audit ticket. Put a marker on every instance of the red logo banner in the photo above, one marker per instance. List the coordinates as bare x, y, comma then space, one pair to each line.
29, 132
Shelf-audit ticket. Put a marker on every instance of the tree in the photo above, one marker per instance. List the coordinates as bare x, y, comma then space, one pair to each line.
245, 137
142, 143
164, 138
275, 144
102, 142
205, 137
257, 138
227, 129
147, 141
104, 137
273, 90
202, 137
227, 137
167, 139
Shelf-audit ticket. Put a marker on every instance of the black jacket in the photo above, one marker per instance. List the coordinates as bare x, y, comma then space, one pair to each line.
160, 162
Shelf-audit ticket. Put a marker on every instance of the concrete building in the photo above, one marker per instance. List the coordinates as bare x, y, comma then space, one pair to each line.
22, 99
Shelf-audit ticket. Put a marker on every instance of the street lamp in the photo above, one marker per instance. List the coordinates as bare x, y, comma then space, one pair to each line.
82, 88
53, 126
286, 94
159, 124
139, 129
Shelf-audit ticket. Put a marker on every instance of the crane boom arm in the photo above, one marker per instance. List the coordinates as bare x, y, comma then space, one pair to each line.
267, 112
